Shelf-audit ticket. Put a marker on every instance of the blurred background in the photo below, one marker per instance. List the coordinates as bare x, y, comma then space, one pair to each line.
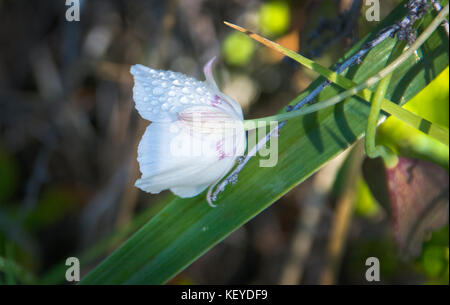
69, 135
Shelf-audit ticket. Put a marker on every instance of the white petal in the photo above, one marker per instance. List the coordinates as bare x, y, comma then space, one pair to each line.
207, 69
230, 105
160, 95
188, 191
185, 171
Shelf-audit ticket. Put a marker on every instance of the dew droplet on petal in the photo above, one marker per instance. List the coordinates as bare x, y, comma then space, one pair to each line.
171, 93
184, 100
185, 90
158, 91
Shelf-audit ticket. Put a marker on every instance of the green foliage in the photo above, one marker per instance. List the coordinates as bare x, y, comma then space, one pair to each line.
432, 104
365, 204
434, 260
54, 204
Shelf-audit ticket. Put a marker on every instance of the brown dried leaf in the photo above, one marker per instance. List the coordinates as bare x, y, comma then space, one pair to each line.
417, 194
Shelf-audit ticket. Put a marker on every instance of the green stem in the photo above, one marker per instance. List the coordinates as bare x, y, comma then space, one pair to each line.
411, 119
372, 150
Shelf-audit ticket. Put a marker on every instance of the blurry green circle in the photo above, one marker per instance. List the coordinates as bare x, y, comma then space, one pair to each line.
274, 18
237, 48
434, 260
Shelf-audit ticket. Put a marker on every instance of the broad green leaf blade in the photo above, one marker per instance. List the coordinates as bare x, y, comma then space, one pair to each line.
187, 228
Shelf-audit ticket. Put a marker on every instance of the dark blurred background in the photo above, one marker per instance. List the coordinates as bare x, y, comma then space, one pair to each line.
69, 134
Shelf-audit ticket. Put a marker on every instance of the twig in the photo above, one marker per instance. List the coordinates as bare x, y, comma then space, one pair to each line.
50, 86
342, 217
39, 174
309, 220
438, 7
341, 27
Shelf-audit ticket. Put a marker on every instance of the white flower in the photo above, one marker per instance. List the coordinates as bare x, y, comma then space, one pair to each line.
196, 132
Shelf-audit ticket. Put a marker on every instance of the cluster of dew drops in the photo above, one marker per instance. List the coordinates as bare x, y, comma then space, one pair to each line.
168, 90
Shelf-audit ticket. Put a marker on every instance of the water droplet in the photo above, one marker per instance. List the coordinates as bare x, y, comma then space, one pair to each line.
184, 100
172, 93
158, 91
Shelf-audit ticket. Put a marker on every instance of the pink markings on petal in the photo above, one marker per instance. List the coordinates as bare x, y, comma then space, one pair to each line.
217, 101
219, 149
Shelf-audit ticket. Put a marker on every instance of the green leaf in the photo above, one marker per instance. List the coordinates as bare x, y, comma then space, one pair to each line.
187, 228
430, 103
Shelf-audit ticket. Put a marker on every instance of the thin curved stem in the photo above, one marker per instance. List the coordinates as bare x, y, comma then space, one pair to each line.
373, 150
